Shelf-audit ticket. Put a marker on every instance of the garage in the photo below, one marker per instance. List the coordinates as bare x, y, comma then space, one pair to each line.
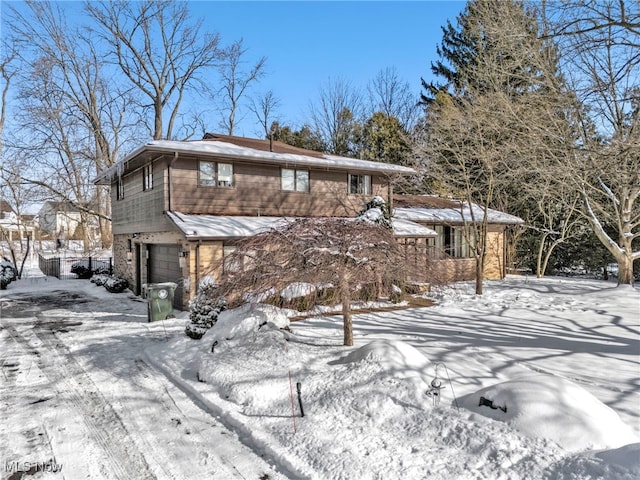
164, 266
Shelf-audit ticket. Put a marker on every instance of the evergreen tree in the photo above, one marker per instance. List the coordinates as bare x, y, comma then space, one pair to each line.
303, 138
499, 117
384, 140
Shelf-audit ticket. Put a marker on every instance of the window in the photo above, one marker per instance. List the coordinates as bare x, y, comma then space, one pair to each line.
119, 189
147, 177
360, 184
212, 174
295, 180
452, 241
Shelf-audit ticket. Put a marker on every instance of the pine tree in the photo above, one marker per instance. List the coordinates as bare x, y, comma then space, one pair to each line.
499, 116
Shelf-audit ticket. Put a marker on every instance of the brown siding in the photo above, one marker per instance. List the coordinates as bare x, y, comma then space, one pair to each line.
448, 270
204, 260
494, 262
257, 191
140, 211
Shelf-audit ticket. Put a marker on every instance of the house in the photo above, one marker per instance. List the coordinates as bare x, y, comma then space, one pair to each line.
14, 227
59, 220
179, 206
448, 256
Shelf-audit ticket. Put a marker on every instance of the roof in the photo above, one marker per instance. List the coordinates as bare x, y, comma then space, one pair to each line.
252, 150
220, 227
439, 210
59, 206
5, 206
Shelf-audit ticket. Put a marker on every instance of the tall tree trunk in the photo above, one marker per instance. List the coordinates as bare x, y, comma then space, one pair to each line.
479, 274
625, 269
345, 297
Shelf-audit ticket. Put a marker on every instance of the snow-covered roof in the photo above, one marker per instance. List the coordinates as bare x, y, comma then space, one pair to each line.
407, 228
226, 149
454, 215
222, 226
225, 227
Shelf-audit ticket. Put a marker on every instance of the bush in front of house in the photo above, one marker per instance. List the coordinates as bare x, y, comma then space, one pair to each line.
111, 283
7, 273
99, 279
204, 309
116, 284
82, 270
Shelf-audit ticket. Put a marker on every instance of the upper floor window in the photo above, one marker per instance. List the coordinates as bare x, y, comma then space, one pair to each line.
119, 189
214, 174
147, 177
360, 184
295, 180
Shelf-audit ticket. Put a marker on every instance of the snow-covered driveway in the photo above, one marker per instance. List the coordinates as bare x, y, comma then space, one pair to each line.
77, 394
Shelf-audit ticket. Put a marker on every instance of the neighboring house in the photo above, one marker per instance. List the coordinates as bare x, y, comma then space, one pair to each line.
448, 256
59, 220
14, 227
178, 207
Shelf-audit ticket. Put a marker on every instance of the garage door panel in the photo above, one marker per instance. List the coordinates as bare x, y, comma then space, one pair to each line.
164, 266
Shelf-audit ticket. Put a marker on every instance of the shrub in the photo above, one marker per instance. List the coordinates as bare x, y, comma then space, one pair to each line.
204, 309
7, 273
82, 270
99, 279
116, 284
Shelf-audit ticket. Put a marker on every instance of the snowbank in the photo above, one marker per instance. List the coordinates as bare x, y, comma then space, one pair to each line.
552, 407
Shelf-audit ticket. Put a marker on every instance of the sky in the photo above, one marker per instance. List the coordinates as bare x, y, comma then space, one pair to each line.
308, 43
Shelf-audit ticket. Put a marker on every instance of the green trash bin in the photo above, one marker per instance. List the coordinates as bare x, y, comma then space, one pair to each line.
160, 300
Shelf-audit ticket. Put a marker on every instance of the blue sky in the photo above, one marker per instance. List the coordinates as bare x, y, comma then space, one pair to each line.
306, 43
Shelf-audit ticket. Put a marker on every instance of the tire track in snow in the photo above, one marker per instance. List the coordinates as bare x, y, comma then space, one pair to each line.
74, 386
151, 380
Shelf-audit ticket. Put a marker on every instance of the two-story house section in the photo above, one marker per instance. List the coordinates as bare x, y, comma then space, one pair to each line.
177, 206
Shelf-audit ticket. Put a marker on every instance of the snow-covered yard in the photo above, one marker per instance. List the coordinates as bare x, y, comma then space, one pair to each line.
558, 360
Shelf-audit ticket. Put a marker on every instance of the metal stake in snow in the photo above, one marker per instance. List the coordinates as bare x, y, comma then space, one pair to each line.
293, 408
434, 389
436, 386
299, 388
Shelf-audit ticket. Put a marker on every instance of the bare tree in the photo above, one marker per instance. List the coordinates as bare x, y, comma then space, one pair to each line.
585, 17
503, 118
393, 97
337, 115
600, 42
8, 56
264, 107
346, 254
159, 51
65, 98
235, 81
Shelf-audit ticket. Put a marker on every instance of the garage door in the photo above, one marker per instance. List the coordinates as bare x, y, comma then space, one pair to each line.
164, 267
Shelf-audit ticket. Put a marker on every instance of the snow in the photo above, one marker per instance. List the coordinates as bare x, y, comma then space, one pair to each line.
561, 355
230, 150
454, 215
552, 407
221, 226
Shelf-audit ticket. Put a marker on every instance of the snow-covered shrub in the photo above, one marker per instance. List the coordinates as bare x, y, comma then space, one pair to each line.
7, 273
99, 279
377, 211
115, 284
204, 309
112, 284
82, 270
